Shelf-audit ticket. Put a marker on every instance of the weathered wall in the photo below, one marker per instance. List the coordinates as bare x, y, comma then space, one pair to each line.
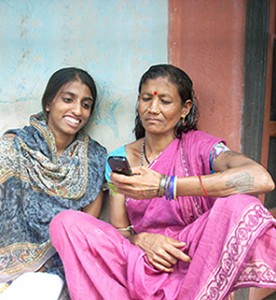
206, 39
115, 41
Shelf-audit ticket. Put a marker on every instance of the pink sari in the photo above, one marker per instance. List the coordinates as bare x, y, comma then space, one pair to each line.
231, 240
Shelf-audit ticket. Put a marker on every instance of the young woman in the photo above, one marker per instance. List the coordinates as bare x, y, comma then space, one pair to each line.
184, 225
47, 167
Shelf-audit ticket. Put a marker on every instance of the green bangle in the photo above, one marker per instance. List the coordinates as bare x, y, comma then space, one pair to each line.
112, 189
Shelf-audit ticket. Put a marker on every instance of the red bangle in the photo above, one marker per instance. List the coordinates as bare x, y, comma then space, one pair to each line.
203, 187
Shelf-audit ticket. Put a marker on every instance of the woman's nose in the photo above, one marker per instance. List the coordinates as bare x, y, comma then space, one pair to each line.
154, 108
77, 109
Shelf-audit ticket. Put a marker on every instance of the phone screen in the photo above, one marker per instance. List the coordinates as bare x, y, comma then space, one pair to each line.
119, 164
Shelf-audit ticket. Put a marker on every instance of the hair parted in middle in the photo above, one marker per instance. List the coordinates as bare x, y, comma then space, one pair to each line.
185, 89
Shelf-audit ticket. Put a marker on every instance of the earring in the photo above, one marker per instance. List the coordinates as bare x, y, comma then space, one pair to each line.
183, 121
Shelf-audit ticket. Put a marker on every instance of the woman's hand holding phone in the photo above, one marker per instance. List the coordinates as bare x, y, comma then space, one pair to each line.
120, 165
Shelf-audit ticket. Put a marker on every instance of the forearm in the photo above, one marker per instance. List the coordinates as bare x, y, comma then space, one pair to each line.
117, 211
234, 174
232, 181
95, 207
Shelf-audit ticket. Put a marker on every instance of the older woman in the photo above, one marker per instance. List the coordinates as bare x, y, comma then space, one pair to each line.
184, 226
46, 167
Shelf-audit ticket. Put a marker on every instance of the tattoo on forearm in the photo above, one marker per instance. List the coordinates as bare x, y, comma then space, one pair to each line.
242, 183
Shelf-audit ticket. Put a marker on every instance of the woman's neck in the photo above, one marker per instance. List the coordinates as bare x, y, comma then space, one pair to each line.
154, 145
62, 143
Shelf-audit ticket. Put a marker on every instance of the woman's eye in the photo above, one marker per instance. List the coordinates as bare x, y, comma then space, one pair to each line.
146, 99
87, 105
67, 100
165, 101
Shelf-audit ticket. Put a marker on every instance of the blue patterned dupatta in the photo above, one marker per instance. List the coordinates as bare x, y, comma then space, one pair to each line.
35, 185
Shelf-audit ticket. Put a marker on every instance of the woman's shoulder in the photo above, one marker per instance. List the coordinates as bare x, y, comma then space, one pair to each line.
127, 149
120, 151
8, 136
131, 151
95, 147
7, 139
202, 137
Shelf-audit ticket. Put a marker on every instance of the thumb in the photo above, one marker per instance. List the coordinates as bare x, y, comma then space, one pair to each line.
179, 244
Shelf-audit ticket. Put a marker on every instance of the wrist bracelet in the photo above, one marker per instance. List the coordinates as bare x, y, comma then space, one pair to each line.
170, 187
167, 187
175, 188
128, 228
162, 183
202, 186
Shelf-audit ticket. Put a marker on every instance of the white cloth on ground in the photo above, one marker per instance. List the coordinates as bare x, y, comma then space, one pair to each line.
34, 286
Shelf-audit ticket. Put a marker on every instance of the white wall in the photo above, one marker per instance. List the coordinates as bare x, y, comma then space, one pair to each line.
115, 41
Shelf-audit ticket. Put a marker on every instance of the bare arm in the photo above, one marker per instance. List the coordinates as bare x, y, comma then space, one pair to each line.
162, 252
118, 215
235, 173
95, 207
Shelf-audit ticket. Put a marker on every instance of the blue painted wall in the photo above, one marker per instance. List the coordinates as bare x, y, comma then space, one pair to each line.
115, 41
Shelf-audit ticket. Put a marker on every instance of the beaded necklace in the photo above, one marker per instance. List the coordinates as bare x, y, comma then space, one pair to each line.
143, 153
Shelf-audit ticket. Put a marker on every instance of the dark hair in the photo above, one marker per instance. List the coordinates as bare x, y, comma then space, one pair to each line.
62, 77
185, 89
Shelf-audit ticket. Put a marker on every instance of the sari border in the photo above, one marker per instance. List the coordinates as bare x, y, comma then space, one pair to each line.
235, 250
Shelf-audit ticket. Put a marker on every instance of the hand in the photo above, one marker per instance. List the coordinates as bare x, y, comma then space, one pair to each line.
144, 184
162, 252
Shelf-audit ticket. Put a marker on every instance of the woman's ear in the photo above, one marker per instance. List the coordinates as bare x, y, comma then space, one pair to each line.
187, 107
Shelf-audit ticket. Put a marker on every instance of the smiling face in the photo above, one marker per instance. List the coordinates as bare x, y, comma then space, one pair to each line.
160, 106
70, 110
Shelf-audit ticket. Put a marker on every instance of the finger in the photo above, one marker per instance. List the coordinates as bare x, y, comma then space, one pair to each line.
178, 244
163, 257
166, 261
186, 258
175, 243
182, 256
161, 267
177, 253
119, 178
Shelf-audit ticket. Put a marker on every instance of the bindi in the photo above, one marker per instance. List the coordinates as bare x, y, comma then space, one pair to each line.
155, 93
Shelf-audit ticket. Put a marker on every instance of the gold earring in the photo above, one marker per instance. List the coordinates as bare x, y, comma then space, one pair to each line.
183, 119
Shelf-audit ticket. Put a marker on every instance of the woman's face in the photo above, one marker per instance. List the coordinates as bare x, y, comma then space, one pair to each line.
70, 110
160, 106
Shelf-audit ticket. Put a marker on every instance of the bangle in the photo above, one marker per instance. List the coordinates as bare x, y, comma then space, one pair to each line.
162, 183
175, 188
170, 188
167, 187
171, 195
128, 228
202, 186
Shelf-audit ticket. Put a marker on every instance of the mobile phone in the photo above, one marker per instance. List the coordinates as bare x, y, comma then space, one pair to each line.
119, 164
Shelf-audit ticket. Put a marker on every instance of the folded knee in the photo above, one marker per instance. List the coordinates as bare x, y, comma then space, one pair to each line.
236, 203
61, 223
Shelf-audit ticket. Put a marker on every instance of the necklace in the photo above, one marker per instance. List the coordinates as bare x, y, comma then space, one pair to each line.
143, 153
